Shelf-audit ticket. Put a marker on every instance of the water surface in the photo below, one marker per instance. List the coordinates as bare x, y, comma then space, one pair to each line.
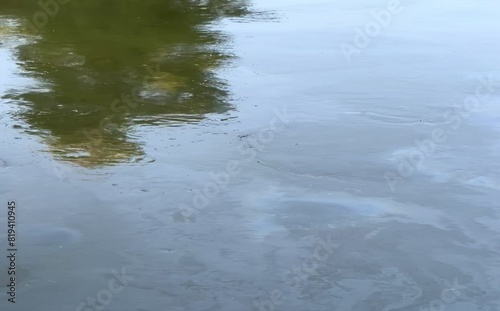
231, 156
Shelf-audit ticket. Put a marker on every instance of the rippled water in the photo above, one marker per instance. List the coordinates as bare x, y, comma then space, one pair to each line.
252, 155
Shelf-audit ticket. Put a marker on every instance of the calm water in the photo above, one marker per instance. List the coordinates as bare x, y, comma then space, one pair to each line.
251, 155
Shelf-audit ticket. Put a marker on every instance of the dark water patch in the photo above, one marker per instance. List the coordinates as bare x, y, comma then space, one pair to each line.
106, 70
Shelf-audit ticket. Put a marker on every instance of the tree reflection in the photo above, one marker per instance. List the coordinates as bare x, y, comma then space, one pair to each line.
104, 66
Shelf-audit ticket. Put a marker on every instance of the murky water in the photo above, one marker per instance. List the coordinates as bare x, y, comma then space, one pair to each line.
260, 155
